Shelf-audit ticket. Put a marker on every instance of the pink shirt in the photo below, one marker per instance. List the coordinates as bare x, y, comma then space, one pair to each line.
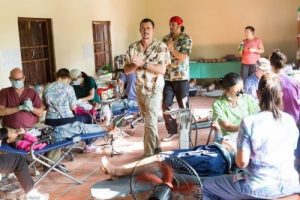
9, 98
249, 57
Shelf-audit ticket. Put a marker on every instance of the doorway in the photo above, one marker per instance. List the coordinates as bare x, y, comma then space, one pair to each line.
102, 44
36, 45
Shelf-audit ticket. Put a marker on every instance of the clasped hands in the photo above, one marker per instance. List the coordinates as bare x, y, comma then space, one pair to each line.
170, 45
138, 61
26, 106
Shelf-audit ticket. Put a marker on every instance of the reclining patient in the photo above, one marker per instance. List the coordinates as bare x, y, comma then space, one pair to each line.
21, 139
264, 139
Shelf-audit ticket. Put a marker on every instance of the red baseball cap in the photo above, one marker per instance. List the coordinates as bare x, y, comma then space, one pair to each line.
177, 20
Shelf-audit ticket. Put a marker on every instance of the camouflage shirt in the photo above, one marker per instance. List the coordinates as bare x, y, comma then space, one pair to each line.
156, 53
178, 70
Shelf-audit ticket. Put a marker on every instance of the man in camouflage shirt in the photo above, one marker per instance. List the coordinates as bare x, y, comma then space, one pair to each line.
148, 58
177, 73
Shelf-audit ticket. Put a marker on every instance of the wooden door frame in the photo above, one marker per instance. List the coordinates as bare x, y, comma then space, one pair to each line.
49, 30
108, 23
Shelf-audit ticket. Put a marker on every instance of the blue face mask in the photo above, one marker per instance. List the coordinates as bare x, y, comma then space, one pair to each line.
17, 84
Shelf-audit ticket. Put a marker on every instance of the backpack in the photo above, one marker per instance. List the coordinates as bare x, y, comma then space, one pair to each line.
206, 160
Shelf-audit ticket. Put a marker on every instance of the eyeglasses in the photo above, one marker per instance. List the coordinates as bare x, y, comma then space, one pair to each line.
237, 94
15, 79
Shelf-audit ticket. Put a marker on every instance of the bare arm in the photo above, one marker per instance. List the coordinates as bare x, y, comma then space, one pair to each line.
130, 68
90, 96
227, 126
242, 159
157, 68
180, 56
8, 111
259, 50
154, 68
38, 111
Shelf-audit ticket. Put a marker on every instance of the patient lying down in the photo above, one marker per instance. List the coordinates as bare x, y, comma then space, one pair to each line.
22, 139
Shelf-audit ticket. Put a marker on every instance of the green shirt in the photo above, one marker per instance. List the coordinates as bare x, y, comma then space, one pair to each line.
82, 91
179, 70
225, 112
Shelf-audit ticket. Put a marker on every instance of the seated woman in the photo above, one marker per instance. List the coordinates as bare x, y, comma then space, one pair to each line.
60, 100
85, 89
233, 106
260, 151
291, 94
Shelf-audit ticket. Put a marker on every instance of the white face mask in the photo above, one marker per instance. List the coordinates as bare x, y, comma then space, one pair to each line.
17, 84
78, 81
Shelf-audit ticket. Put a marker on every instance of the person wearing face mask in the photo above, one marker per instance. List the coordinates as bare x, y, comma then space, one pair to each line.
232, 106
20, 106
251, 84
85, 87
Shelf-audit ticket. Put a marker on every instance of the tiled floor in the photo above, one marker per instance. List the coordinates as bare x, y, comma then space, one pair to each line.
85, 167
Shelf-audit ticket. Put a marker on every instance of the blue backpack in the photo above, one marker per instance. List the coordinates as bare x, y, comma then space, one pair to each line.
206, 160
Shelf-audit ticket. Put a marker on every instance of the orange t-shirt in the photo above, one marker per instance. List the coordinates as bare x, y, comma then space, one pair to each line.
249, 57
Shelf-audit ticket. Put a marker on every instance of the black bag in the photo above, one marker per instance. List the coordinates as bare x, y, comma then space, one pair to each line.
47, 133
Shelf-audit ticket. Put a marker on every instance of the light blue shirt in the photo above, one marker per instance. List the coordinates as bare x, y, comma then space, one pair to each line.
271, 145
251, 85
60, 98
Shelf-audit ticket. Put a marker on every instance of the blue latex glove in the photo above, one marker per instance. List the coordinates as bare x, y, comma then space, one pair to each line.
23, 107
28, 104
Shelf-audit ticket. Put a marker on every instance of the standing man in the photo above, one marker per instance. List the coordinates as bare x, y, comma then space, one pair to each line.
148, 58
177, 73
250, 49
20, 107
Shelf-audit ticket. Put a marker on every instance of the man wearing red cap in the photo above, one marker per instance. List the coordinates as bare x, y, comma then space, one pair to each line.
177, 73
148, 58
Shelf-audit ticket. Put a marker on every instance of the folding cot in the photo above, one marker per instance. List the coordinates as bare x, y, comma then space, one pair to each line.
39, 157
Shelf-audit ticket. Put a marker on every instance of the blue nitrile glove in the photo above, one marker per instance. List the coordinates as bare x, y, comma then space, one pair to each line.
28, 104
23, 107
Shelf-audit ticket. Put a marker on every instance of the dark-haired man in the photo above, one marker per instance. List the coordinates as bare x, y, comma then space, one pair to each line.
148, 58
177, 73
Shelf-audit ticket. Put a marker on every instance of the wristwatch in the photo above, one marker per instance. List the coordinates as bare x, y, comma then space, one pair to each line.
145, 65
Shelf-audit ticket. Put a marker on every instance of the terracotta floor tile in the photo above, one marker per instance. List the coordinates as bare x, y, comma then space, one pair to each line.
86, 165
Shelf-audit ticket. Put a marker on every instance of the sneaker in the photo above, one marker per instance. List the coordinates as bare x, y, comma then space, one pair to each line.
170, 137
89, 148
11, 188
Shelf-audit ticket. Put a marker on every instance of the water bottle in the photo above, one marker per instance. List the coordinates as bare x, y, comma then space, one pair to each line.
241, 46
117, 91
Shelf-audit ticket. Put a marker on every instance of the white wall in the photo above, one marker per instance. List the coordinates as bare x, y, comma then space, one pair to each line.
72, 29
217, 26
